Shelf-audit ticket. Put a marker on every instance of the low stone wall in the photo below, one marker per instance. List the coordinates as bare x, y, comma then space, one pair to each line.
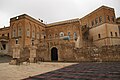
98, 54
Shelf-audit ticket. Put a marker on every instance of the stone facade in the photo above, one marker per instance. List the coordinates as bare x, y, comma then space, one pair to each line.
84, 39
4, 40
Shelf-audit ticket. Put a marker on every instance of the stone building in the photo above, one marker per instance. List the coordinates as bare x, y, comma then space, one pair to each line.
4, 40
27, 37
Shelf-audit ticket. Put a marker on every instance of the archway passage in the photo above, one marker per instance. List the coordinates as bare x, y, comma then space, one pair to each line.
54, 54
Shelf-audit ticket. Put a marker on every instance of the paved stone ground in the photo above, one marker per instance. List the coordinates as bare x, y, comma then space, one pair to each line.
83, 71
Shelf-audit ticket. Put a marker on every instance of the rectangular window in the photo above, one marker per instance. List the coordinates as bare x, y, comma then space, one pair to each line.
3, 34
19, 32
115, 34
8, 34
14, 35
96, 21
113, 19
44, 37
56, 35
100, 19
28, 33
92, 23
111, 33
33, 34
4, 46
16, 41
108, 18
99, 36
68, 33
50, 36
32, 42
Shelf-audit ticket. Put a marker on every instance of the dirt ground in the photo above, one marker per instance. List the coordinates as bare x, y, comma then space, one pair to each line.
15, 72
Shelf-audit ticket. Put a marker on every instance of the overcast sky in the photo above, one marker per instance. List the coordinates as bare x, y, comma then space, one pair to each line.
52, 10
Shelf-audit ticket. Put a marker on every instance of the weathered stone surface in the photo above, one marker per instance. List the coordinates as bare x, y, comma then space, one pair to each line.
84, 39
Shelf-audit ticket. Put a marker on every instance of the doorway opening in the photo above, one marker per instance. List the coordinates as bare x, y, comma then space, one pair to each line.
54, 54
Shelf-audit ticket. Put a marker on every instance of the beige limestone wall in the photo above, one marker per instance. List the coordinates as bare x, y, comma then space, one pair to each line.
105, 34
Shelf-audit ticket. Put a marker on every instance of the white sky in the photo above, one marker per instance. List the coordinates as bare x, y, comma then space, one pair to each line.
52, 10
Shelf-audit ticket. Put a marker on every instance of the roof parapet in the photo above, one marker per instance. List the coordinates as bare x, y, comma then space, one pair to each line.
63, 22
25, 16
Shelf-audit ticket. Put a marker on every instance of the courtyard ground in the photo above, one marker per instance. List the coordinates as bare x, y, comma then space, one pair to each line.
16, 72
83, 71
60, 71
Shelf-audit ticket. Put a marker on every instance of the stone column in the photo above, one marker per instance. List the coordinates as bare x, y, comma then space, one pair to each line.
32, 53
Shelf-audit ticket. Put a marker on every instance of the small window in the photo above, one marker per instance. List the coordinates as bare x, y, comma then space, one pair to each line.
100, 19
85, 26
108, 18
56, 35
28, 33
19, 32
8, 34
75, 36
14, 33
111, 33
4, 46
3, 34
44, 37
32, 42
68, 33
116, 34
61, 34
50, 36
33, 34
16, 41
92, 23
113, 19
99, 36
96, 21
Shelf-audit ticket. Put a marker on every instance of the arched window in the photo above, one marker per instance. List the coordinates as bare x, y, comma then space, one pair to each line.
68, 33
38, 36
50, 36
14, 33
75, 36
108, 17
113, 19
33, 34
55, 35
19, 32
28, 29
100, 19
96, 21
61, 34
28, 32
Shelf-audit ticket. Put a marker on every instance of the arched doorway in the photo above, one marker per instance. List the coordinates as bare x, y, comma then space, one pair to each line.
54, 54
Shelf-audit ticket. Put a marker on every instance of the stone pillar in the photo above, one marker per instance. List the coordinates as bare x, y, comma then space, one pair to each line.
32, 53
16, 54
16, 51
